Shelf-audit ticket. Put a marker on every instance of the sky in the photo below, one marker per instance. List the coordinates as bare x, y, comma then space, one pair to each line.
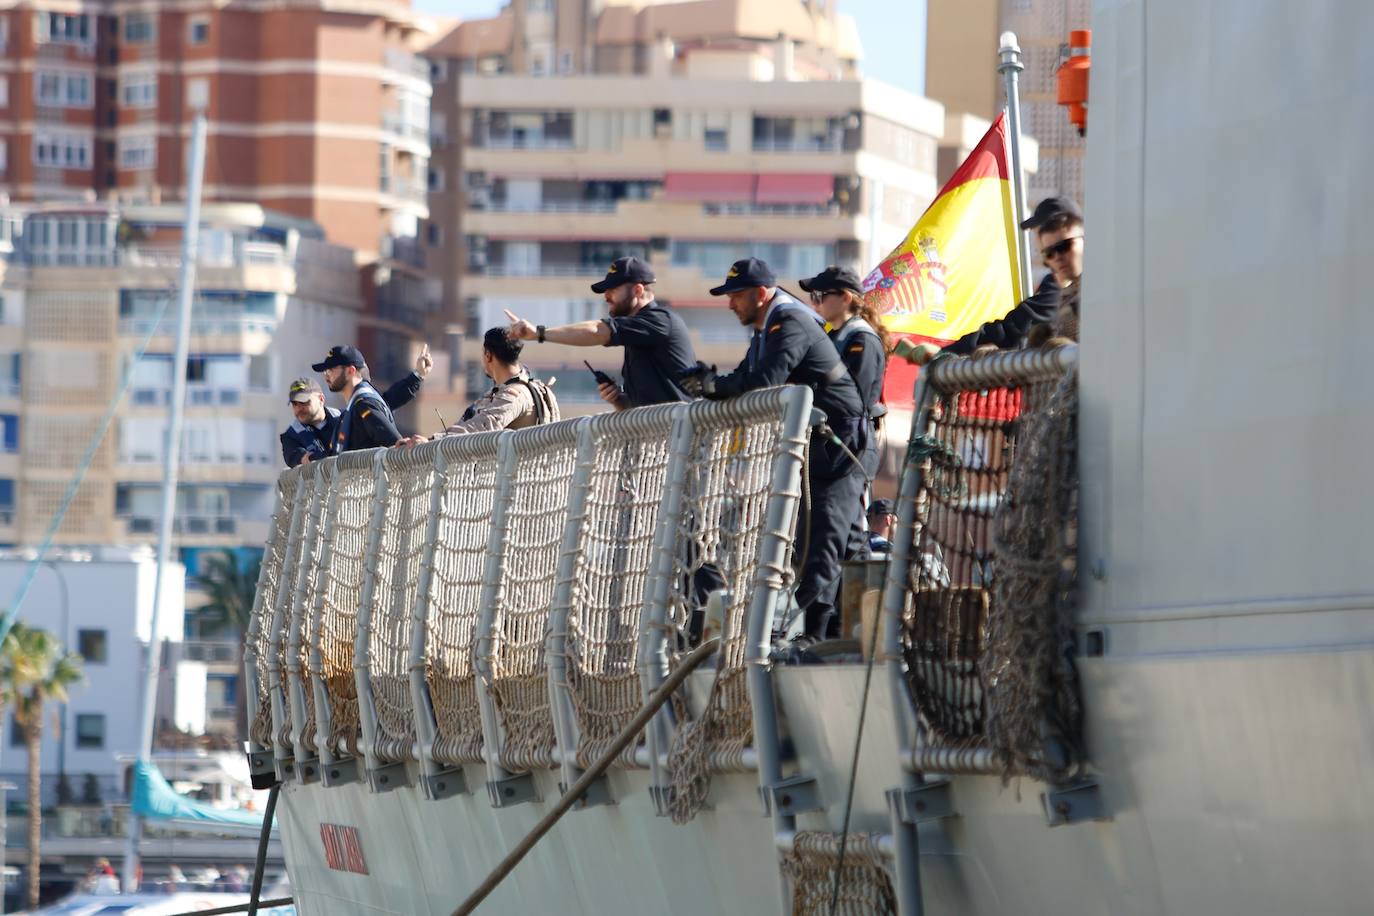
893, 33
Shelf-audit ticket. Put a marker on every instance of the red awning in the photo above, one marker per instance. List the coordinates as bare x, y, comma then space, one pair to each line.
795, 189
720, 187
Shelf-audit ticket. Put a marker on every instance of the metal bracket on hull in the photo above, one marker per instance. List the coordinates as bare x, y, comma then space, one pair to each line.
443, 784
792, 796
388, 777
598, 793
928, 802
308, 770
512, 790
285, 768
339, 772
1073, 804
263, 769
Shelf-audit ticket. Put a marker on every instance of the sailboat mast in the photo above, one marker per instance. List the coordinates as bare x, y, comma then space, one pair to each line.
172, 451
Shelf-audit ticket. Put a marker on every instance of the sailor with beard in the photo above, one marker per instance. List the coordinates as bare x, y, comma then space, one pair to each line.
657, 348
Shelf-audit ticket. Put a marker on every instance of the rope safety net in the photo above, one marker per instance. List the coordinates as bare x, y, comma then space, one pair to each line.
259, 636
865, 883
332, 643
539, 479
455, 591
316, 485
728, 482
975, 617
410, 479
627, 467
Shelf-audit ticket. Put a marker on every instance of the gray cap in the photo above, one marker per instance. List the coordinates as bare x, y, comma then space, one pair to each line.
302, 389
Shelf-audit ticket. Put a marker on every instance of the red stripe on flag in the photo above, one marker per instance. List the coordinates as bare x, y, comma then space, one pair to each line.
899, 380
988, 159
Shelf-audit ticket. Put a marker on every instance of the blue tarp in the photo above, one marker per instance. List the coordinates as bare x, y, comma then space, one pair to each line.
155, 799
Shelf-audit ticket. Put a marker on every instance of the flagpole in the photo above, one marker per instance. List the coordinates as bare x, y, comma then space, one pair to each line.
1010, 67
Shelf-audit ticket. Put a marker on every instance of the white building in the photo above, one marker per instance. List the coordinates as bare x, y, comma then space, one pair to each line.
99, 602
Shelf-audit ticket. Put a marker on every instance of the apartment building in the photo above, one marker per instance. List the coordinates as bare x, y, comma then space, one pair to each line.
315, 111
961, 73
690, 134
83, 290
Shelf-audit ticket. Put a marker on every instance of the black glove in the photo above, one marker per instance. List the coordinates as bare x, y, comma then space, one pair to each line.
699, 381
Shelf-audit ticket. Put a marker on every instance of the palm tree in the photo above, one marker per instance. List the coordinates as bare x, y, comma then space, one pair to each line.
34, 668
229, 583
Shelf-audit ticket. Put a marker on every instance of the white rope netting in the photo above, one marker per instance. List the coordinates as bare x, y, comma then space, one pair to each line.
410, 479
265, 601
535, 516
332, 656
301, 622
460, 549
728, 484
627, 470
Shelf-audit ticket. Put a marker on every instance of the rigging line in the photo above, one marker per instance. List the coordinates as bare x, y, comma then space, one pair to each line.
7, 622
854, 763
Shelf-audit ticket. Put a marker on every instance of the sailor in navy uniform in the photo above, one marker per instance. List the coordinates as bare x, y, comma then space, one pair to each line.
790, 347
653, 337
837, 295
367, 421
314, 432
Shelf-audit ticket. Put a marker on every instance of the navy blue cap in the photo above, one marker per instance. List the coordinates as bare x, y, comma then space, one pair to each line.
622, 271
832, 279
341, 355
880, 507
1049, 208
746, 274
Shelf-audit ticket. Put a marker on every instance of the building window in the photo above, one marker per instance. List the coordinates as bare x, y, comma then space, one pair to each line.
138, 90
138, 151
434, 234
16, 733
70, 90
93, 646
52, 149
63, 28
4, 90
9, 441
47, 88
438, 71
90, 731
7, 500
436, 180
199, 30
4, 156
139, 28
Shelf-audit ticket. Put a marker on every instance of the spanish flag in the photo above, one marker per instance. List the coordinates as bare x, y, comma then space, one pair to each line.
957, 267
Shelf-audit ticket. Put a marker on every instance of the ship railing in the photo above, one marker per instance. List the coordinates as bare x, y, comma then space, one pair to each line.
509, 599
982, 568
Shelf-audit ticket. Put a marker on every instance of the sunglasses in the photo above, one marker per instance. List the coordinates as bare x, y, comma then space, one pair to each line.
1064, 246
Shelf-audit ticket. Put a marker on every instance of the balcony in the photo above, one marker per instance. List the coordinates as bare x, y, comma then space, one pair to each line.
407, 189
804, 145
406, 64
549, 206
257, 254
523, 142
220, 651
183, 525
543, 270
233, 326
394, 123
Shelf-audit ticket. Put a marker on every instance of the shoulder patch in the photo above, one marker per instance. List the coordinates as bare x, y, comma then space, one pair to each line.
776, 327
365, 414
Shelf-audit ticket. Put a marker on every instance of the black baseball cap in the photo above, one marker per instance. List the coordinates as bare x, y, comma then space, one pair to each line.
831, 279
880, 507
1049, 208
341, 355
622, 271
746, 274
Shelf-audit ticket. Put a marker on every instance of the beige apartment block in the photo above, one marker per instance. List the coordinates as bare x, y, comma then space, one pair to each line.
84, 289
961, 73
688, 134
